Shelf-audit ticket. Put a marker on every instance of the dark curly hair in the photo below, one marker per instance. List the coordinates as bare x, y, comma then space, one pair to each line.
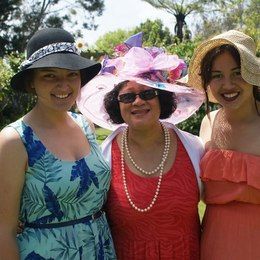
166, 100
206, 68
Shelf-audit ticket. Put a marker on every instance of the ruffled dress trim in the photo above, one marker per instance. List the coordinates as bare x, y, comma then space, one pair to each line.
233, 166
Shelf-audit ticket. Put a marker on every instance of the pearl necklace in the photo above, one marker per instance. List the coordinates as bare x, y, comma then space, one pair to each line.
165, 155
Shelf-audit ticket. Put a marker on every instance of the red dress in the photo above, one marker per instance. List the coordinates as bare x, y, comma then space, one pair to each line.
231, 226
171, 229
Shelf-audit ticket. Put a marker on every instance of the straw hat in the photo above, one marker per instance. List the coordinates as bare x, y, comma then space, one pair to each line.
250, 64
54, 47
151, 67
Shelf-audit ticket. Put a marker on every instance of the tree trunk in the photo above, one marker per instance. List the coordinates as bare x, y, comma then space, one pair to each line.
180, 22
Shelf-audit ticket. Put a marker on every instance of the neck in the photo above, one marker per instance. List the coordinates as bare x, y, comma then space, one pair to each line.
244, 114
145, 136
46, 118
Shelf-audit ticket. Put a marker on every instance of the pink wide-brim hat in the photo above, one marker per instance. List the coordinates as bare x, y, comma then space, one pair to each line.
90, 99
151, 67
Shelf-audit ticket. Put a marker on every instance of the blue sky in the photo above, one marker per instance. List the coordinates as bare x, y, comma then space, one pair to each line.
126, 14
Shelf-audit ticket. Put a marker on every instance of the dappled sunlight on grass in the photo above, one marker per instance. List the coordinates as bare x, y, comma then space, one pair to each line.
101, 134
201, 207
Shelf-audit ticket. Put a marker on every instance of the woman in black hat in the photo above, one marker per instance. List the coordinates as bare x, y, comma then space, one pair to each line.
53, 175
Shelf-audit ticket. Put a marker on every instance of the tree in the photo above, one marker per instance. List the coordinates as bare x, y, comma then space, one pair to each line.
8, 10
154, 34
106, 43
180, 10
12, 104
252, 23
22, 18
204, 10
236, 14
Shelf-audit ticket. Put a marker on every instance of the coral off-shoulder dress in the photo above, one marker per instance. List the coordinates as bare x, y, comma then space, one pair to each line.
171, 229
231, 225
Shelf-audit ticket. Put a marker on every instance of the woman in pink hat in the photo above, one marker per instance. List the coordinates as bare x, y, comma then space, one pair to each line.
152, 205
53, 175
227, 68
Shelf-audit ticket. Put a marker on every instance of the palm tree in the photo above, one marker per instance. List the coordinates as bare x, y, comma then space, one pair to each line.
181, 9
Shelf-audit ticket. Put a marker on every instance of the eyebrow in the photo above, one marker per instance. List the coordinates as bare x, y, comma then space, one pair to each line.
231, 69
236, 68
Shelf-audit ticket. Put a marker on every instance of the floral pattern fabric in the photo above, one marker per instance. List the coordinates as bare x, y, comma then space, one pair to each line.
59, 191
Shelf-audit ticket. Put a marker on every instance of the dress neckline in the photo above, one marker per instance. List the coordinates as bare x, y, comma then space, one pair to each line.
166, 174
235, 152
55, 156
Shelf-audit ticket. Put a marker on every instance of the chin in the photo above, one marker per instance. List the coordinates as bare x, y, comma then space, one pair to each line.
64, 107
140, 125
230, 106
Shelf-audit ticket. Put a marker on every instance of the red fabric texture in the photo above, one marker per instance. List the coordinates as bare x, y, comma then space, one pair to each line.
231, 226
171, 229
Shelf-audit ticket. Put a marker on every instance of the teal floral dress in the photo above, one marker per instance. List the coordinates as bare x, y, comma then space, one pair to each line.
58, 191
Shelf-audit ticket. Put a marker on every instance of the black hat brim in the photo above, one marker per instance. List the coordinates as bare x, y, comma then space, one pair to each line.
88, 68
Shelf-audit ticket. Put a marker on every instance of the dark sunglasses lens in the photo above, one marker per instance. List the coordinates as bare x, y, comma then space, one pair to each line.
127, 98
144, 95
148, 94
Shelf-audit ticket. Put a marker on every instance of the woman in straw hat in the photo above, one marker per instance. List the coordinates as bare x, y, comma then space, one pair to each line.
53, 175
228, 70
154, 194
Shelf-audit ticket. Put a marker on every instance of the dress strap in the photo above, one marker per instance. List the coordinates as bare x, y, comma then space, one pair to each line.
20, 127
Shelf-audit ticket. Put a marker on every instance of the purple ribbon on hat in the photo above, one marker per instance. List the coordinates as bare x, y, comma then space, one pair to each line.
140, 62
135, 40
149, 63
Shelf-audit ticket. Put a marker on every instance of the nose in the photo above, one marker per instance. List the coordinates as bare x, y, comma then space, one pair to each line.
62, 82
228, 83
138, 100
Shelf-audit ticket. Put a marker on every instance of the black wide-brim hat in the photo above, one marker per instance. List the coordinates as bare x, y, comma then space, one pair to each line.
54, 48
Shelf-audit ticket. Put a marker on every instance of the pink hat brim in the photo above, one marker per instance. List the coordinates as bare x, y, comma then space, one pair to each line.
90, 99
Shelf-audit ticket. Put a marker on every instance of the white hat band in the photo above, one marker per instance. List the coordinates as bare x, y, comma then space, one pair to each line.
49, 49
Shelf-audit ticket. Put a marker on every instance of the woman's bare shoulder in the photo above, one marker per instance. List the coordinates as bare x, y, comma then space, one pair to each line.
9, 136
11, 145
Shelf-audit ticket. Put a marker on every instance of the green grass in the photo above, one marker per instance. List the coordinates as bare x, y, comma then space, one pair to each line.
201, 207
103, 133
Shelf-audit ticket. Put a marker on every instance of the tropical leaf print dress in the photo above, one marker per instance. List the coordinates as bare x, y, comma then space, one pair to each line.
57, 191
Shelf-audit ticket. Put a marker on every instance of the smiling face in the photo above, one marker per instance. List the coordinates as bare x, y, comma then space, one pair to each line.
227, 85
140, 112
56, 89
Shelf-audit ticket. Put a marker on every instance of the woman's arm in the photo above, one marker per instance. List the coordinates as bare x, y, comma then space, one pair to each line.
207, 126
13, 163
